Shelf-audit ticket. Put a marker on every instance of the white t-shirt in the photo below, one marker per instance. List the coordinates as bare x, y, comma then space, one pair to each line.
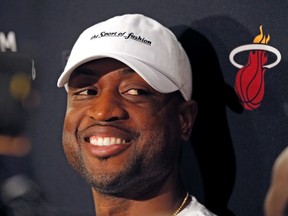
194, 208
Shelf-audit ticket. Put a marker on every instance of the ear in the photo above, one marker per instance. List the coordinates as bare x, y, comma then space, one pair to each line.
188, 113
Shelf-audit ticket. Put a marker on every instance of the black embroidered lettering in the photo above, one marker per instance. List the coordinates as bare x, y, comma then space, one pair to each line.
131, 35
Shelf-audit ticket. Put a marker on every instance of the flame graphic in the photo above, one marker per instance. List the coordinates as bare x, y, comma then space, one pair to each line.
249, 84
261, 38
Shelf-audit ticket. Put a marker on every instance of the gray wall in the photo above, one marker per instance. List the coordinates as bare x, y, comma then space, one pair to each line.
232, 148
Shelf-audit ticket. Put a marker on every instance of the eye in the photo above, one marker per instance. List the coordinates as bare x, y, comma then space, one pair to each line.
136, 92
87, 92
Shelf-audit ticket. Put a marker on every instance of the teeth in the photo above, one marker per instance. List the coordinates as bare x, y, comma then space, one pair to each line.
106, 141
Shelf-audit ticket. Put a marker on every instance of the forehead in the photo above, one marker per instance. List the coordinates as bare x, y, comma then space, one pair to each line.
94, 69
100, 66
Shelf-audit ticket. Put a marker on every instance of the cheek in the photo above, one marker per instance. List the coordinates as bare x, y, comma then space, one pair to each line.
70, 144
73, 118
169, 127
71, 150
145, 117
163, 120
161, 128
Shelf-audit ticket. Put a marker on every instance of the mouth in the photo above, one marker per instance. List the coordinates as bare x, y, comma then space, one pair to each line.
106, 141
103, 147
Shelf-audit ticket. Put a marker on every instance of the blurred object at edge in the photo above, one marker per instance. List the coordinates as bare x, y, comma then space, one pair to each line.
19, 193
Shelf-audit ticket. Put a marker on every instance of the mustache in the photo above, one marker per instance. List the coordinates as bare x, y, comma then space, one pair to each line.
111, 125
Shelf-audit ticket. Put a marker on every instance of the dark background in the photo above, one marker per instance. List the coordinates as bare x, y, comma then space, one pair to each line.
228, 163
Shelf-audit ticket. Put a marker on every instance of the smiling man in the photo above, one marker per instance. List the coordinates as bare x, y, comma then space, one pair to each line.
129, 110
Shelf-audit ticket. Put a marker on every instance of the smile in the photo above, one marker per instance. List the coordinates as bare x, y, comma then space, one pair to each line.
106, 141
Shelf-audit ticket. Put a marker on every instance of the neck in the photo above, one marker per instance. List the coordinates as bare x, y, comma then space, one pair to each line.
163, 201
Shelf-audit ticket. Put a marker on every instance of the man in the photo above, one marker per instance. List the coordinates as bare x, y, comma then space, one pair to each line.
129, 110
276, 200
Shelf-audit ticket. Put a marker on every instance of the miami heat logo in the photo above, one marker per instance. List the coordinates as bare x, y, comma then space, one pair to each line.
250, 84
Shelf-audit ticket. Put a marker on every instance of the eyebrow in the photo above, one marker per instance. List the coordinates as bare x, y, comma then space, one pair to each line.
127, 70
89, 72
93, 74
85, 71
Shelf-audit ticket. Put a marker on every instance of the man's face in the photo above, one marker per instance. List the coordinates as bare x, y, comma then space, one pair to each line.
119, 133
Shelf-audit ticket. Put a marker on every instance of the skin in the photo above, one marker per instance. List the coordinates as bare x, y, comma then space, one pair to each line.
107, 99
277, 195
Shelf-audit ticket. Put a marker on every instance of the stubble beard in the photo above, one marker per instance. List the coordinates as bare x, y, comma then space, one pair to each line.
147, 167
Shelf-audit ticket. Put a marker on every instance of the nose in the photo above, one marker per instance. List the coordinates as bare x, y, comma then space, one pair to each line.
107, 106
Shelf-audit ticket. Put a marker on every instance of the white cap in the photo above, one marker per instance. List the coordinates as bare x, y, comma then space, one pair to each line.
141, 43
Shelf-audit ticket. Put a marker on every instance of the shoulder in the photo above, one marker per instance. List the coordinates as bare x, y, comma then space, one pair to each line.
195, 208
280, 166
